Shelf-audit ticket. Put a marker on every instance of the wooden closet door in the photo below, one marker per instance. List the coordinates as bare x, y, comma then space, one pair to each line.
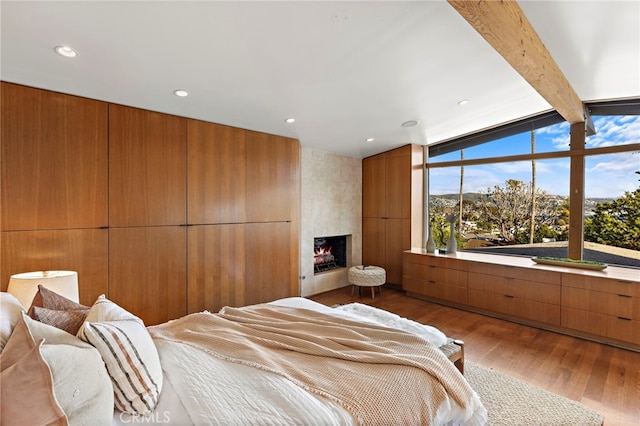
397, 187
216, 173
148, 271
273, 178
373, 187
271, 262
147, 168
53, 170
397, 240
80, 250
373, 236
216, 267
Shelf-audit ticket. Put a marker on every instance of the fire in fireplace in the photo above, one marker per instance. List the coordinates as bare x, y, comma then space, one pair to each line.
329, 253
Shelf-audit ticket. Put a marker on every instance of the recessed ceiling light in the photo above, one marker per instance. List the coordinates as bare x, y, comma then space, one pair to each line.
463, 102
410, 123
66, 51
290, 120
181, 92
369, 139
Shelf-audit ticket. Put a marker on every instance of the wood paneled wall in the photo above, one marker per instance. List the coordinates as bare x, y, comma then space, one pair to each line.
163, 214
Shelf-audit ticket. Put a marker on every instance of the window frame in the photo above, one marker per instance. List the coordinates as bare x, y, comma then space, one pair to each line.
576, 155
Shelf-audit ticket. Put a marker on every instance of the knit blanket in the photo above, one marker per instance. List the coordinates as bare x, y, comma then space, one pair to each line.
380, 375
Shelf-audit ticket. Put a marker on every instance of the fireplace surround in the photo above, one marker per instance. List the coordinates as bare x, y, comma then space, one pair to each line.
329, 253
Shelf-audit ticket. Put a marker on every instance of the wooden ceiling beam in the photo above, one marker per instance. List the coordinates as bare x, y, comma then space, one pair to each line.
505, 27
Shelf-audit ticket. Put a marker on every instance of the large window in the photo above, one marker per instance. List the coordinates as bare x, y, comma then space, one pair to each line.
511, 194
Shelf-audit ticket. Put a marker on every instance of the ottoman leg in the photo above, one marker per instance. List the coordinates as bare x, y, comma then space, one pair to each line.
353, 287
373, 292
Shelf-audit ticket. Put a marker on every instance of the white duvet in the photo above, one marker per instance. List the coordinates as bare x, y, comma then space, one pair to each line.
226, 393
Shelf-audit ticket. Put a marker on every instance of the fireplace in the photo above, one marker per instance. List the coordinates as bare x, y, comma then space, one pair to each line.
329, 253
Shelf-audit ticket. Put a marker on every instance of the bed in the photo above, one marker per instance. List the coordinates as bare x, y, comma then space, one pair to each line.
290, 361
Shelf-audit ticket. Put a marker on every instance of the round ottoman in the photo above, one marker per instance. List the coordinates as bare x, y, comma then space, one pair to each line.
367, 276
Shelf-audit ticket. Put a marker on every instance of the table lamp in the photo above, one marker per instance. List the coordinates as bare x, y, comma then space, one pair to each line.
24, 286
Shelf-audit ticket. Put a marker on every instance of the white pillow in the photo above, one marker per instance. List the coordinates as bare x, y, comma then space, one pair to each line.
80, 380
10, 312
129, 353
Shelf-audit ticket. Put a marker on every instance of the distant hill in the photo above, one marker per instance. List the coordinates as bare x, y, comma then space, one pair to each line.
449, 200
471, 196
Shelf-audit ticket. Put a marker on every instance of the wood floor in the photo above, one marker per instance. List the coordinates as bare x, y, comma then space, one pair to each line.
604, 378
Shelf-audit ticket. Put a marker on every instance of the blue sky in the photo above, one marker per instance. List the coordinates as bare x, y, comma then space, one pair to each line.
606, 176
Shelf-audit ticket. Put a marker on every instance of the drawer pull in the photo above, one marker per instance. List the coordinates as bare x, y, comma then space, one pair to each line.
625, 295
508, 296
625, 282
431, 282
624, 319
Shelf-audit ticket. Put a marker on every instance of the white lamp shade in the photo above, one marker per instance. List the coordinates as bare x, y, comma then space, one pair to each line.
25, 286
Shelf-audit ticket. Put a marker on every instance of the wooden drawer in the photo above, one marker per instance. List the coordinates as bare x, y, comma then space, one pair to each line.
626, 330
617, 305
507, 286
531, 274
515, 307
431, 273
450, 293
607, 285
438, 261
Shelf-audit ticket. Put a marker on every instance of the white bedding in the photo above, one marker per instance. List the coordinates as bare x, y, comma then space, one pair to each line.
198, 396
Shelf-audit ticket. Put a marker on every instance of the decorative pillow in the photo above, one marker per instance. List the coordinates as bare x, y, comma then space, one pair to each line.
10, 313
51, 308
81, 383
129, 353
26, 394
69, 321
46, 298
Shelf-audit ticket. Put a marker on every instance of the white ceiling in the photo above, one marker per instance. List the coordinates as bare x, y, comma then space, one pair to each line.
345, 70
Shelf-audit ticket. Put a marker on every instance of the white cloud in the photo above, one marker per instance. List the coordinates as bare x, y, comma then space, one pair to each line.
611, 131
610, 176
606, 176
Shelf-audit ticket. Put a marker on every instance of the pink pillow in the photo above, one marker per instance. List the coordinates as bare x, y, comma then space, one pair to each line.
26, 383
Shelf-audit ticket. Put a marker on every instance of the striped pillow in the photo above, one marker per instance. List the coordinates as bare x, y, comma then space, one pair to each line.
130, 356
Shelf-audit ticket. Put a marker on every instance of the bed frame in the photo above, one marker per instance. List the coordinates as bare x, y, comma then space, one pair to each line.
454, 350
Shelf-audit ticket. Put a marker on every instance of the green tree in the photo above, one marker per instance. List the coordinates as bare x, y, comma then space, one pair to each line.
509, 209
616, 223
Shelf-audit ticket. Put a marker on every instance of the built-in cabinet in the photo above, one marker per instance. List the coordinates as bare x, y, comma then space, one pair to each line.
147, 212
516, 292
392, 209
598, 305
439, 278
243, 243
53, 186
147, 168
163, 214
602, 306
